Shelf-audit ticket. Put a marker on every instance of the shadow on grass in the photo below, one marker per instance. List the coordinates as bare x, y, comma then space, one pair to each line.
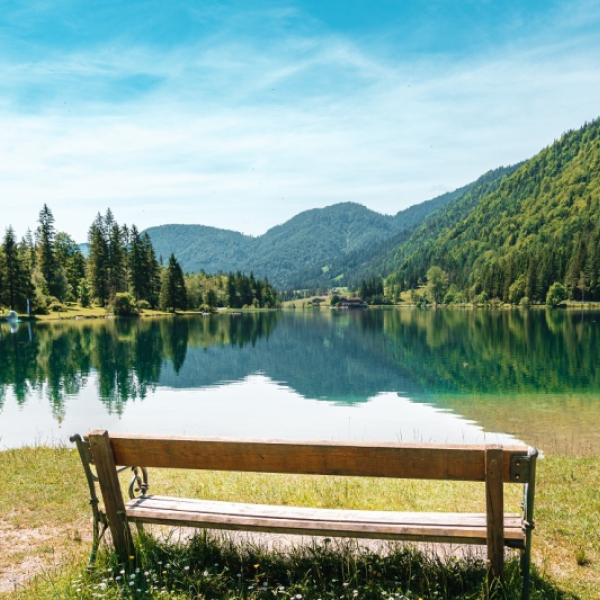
209, 567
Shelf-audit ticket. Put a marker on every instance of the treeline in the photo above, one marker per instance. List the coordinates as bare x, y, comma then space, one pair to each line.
47, 269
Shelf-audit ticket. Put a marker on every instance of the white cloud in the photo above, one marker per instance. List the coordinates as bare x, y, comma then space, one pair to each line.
240, 137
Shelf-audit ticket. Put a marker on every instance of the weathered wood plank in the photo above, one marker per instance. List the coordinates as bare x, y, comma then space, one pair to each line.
495, 510
308, 521
411, 461
170, 505
111, 493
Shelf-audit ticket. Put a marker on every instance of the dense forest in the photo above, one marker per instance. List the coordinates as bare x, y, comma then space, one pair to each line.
539, 227
378, 259
311, 238
310, 250
122, 273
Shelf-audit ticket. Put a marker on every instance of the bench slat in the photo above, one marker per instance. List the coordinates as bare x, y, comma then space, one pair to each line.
377, 459
467, 528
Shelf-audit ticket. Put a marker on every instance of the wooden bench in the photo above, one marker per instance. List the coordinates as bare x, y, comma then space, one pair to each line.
494, 465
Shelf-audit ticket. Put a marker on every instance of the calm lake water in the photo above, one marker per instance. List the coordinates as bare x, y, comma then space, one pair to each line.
397, 374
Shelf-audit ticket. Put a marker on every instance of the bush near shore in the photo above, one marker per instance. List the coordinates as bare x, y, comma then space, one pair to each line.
45, 530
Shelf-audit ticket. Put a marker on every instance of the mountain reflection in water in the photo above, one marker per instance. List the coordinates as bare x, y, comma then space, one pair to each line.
437, 375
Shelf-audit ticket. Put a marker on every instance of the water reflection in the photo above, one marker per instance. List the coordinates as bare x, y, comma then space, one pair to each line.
532, 374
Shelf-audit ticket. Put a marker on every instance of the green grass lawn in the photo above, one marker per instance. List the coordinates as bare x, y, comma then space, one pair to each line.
74, 311
45, 529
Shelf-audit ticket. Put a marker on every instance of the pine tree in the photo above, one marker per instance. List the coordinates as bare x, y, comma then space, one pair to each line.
16, 275
231, 291
117, 258
173, 295
153, 271
46, 251
98, 265
138, 275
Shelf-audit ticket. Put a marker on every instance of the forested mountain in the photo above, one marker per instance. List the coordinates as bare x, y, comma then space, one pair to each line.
200, 247
312, 248
312, 237
380, 259
539, 225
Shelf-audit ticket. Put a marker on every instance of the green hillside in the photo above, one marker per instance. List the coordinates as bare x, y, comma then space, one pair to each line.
412, 226
200, 247
540, 225
310, 238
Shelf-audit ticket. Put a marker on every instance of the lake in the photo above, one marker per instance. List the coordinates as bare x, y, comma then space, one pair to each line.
456, 376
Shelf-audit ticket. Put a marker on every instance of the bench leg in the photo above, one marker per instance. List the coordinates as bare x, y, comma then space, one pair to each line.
111, 493
99, 532
495, 509
529, 524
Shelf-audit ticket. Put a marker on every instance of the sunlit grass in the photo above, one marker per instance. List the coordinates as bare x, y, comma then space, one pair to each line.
75, 311
43, 496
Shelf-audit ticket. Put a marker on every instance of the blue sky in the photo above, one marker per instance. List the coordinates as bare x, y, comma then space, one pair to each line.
242, 114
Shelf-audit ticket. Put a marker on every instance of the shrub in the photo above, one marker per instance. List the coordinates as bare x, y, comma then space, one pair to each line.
557, 294
143, 305
85, 293
524, 301
56, 307
124, 305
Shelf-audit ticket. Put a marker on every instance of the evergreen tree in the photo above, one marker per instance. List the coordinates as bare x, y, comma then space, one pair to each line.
231, 291
46, 251
70, 263
117, 258
30, 253
173, 295
15, 274
153, 271
98, 262
138, 276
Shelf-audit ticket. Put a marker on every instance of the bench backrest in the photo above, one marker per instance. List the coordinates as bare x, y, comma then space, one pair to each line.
370, 459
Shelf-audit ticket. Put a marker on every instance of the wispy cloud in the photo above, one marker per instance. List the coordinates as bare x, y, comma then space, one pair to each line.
244, 132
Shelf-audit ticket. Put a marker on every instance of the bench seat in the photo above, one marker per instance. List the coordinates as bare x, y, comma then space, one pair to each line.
463, 528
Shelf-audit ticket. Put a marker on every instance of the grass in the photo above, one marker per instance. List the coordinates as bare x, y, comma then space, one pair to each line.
43, 500
75, 311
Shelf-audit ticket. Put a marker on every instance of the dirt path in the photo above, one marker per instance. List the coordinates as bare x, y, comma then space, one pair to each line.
25, 552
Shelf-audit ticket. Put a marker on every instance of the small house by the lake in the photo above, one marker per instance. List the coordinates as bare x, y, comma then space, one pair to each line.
352, 303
